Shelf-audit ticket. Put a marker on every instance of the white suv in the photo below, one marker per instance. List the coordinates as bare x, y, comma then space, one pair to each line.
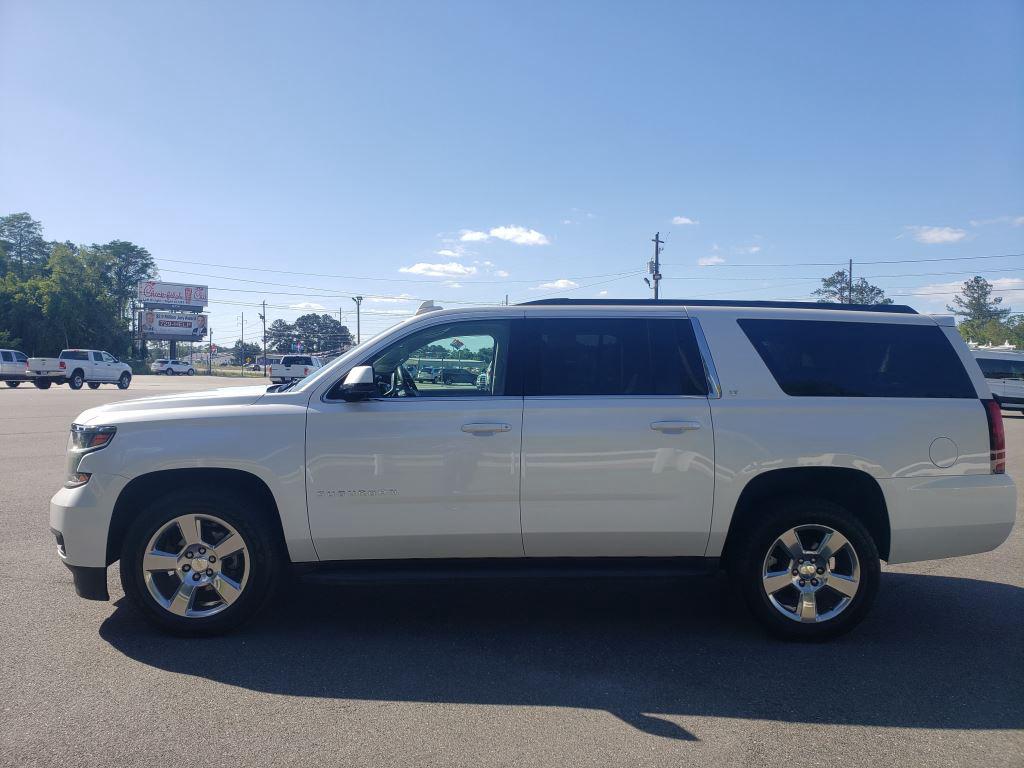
1004, 372
794, 445
172, 367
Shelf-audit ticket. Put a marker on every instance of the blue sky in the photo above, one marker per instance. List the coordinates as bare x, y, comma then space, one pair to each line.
463, 151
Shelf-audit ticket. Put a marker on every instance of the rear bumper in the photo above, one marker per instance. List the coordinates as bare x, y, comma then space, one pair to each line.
936, 517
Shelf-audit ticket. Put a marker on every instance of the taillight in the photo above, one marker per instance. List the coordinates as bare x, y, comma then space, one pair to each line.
305, 371
63, 365
996, 436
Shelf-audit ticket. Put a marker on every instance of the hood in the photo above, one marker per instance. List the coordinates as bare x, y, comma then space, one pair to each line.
187, 400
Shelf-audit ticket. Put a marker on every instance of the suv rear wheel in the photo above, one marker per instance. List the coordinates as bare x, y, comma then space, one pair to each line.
200, 565
808, 569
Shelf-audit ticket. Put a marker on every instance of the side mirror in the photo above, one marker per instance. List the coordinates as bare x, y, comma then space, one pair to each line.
358, 384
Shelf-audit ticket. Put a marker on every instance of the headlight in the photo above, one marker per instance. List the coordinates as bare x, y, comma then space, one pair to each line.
84, 440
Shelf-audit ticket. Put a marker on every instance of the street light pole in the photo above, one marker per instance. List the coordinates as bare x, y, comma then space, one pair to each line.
358, 300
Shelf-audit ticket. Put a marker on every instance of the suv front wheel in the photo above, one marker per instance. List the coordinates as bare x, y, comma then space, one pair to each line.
200, 565
808, 569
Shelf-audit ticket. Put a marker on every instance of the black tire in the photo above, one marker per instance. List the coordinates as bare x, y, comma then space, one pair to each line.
125, 381
12, 384
169, 371
77, 379
94, 385
191, 371
752, 548
42, 383
266, 554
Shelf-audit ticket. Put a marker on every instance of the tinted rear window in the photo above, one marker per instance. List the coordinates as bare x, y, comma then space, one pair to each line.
612, 356
1001, 368
296, 361
7, 357
841, 359
74, 354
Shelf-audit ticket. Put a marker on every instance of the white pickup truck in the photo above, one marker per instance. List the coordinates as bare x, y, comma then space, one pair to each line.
294, 367
76, 367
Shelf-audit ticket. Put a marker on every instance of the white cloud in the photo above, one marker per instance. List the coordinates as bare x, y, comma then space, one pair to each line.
937, 235
452, 284
749, 249
708, 261
500, 273
1016, 221
449, 253
602, 293
451, 269
684, 220
556, 285
567, 221
510, 234
307, 305
400, 299
1019, 221
943, 293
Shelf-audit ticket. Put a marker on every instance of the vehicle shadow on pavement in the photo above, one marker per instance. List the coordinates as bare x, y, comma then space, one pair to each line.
936, 652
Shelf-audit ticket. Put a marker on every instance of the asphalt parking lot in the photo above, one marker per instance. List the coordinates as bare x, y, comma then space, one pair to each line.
639, 674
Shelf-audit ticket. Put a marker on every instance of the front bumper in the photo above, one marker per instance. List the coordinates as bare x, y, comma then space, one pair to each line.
81, 516
948, 516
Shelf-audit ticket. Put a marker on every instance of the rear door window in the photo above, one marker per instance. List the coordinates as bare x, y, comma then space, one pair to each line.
21, 357
811, 358
7, 357
612, 356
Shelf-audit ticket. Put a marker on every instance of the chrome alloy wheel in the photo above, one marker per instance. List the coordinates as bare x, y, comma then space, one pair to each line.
811, 573
195, 565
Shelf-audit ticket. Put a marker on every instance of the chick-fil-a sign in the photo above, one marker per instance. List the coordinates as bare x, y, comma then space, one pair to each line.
177, 294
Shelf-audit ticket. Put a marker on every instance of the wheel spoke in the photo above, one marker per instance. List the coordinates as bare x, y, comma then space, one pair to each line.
832, 543
807, 608
182, 600
229, 546
844, 585
191, 529
792, 543
156, 560
228, 589
777, 580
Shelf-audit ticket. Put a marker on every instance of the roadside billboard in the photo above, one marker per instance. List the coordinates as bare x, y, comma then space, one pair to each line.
157, 295
172, 326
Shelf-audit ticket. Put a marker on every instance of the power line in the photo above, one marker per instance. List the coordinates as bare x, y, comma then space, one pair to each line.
440, 281
862, 263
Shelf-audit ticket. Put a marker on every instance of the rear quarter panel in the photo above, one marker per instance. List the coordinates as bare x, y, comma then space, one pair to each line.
759, 428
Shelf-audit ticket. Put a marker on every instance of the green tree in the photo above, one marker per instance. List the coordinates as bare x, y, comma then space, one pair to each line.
243, 350
129, 263
975, 303
21, 237
836, 289
280, 335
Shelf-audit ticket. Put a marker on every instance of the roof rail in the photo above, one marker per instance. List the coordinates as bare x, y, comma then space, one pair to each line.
899, 309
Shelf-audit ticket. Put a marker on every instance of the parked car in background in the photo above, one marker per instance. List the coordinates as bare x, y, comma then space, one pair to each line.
425, 373
684, 436
171, 367
481, 381
77, 367
1004, 372
294, 367
454, 376
13, 367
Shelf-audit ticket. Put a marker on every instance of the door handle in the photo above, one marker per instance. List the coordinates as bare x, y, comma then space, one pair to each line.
675, 426
486, 429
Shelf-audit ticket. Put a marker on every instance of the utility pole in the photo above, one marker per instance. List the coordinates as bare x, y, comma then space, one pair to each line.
263, 317
241, 349
655, 266
849, 284
358, 300
209, 355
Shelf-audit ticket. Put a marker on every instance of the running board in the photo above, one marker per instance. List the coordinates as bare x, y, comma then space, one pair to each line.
462, 570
